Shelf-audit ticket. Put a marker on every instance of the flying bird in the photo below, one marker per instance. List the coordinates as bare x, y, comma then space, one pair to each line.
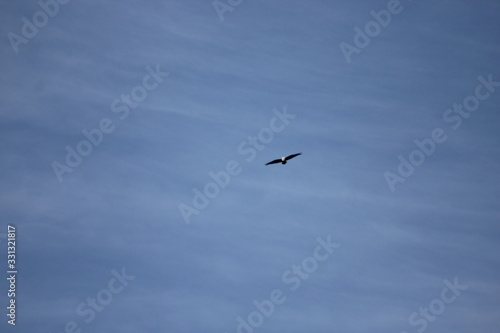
283, 159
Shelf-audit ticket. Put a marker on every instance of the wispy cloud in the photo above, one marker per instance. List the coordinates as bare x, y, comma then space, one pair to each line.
119, 207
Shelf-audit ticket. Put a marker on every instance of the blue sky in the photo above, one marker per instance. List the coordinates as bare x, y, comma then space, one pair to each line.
207, 92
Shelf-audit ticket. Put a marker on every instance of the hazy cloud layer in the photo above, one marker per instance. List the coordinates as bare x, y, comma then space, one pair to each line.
118, 207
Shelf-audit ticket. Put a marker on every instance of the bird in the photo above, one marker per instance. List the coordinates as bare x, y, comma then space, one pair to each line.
283, 159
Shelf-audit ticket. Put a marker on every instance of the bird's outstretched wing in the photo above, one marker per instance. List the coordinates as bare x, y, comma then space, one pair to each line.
274, 161
292, 156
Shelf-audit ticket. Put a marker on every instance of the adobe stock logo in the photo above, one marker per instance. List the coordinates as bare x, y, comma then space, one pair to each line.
93, 305
95, 137
292, 277
221, 179
222, 6
372, 29
453, 116
40, 19
437, 306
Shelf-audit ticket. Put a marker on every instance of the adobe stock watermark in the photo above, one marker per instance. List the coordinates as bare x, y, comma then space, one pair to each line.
95, 137
221, 179
420, 319
453, 117
372, 29
29, 29
88, 310
222, 6
292, 278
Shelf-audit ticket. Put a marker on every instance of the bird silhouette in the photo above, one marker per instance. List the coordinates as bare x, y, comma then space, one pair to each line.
283, 159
